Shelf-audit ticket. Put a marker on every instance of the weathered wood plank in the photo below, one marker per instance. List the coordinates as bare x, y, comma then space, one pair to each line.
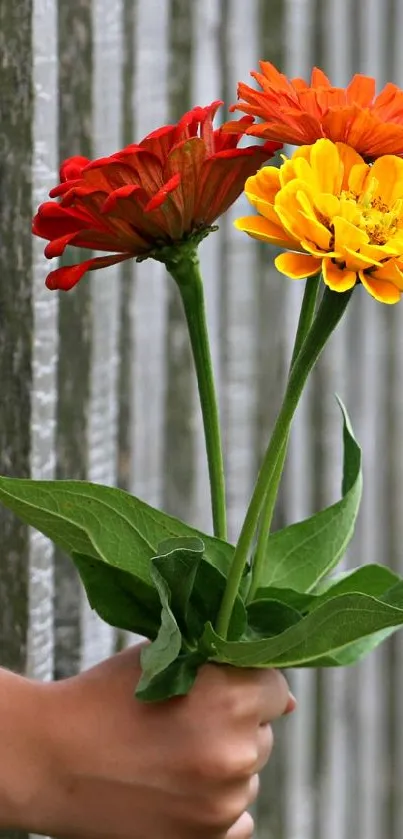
149, 312
45, 343
75, 137
178, 473
98, 639
238, 296
298, 484
16, 315
206, 87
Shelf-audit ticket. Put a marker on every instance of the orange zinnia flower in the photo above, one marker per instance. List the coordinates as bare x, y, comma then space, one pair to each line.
334, 213
149, 197
296, 112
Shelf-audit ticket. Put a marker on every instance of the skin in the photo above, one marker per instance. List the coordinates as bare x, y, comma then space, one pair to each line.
83, 759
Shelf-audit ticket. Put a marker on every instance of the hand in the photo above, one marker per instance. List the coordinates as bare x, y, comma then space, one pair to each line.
181, 769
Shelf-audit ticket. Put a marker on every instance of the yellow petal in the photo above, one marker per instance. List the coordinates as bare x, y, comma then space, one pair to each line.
379, 252
265, 208
297, 266
387, 172
262, 229
357, 179
311, 248
346, 235
325, 163
380, 289
265, 184
327, 205
336, 277
349, 158
357, 261
390, 273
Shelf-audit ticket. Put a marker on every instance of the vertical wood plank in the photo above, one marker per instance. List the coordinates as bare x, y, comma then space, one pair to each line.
16, 316
75, 137
394, 485
178, 473
149, 313
206, 87
370, 542
333, 769
45, 344
239, 297
298, 49
98, 638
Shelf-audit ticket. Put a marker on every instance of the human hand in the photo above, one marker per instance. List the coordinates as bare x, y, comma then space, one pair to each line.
181, 769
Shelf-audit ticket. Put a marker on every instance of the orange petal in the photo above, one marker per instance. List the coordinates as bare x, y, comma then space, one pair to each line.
297, 266
337, 278
390, 273
326, 166
380, 289
265, 231
347, 235
387, 175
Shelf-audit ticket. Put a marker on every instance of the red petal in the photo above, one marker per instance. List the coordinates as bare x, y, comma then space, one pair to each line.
67, 277
72, 167
162, 193
126, 191
185, 161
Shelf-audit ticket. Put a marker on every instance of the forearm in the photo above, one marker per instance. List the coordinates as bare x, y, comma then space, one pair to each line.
23, 751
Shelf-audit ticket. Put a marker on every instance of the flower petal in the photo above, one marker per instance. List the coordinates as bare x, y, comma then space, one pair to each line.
68, 276
380, 289
265, 231
336, 277
297, 266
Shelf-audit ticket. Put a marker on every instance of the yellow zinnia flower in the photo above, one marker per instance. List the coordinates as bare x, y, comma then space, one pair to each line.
333, 213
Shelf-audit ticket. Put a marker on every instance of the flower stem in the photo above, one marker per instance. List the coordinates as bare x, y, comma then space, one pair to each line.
304, 324
330, 312
185, 270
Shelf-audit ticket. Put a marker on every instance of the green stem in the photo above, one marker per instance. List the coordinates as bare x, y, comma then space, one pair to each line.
185, 270
304, 324
330, 312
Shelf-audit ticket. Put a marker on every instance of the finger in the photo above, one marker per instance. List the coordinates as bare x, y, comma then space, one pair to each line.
275, 696
254, 785
265, 742
242, 829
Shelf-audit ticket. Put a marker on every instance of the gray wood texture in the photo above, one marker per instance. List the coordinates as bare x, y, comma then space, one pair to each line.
99, 383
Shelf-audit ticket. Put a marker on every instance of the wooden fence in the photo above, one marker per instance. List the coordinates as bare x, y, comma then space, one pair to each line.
95, 383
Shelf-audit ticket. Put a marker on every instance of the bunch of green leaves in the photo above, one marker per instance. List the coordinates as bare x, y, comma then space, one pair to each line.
149, 573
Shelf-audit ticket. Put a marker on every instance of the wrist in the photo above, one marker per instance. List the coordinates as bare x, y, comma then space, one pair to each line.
25, 749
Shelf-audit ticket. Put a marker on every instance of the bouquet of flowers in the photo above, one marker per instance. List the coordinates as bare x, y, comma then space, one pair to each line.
335, 210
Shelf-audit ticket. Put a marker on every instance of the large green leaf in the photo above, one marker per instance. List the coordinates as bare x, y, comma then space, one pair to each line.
301, 554
118, 597
375, 580
102, 522
336, 623
161, 653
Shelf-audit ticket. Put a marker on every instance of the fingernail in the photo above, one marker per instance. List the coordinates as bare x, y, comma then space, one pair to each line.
291, 704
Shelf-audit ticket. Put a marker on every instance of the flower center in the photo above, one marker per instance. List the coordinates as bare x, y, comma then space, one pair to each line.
376, 218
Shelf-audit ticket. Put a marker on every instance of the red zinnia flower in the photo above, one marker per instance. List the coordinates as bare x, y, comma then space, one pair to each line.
148, 197
298, 113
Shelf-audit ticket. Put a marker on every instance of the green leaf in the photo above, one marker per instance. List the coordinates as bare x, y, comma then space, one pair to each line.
176, 680
102, 522
161, 653
179, 567
270, 617
368, 579
336, 623
301, 554
118, 597
352, 653
205, 601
